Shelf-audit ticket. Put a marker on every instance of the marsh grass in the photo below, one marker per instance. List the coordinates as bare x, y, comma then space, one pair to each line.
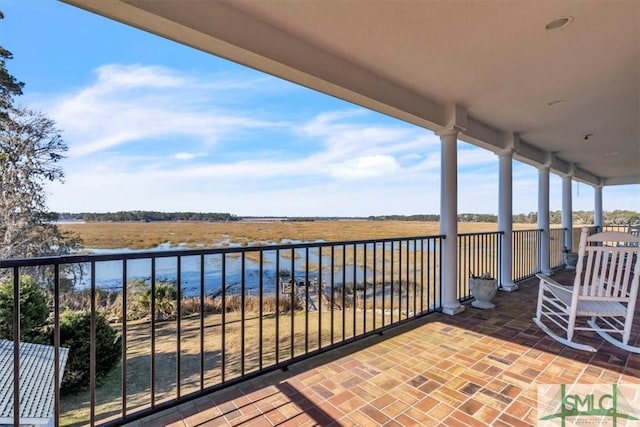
139, 235
315, 326
246, 338
295, 331
110, 304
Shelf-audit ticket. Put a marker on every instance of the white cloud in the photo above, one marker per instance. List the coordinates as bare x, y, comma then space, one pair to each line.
145, 137
124, 77
365, 167
337, 149
472, 156
184, 156
128, 104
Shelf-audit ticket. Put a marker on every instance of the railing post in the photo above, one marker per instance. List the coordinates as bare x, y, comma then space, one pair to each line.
57, 375
16, 346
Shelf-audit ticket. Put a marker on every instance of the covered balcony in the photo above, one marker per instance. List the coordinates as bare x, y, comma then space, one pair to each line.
477, 368
387, 336
336, 333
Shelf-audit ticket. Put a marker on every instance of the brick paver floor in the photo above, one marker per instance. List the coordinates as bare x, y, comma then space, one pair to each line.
480, 367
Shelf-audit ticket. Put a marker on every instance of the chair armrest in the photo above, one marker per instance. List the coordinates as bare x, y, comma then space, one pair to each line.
554, 286
551, 282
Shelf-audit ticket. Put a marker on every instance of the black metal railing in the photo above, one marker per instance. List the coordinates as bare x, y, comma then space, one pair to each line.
556, 246
193, 321
198, 320
527, 253
619, 228
526, 246
575, 235
478, 253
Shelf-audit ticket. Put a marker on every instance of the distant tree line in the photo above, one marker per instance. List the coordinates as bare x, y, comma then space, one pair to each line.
465, 217
424, 217
618, 217
147, 216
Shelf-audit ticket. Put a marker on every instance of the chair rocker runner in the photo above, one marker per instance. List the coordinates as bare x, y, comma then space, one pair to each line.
603, 296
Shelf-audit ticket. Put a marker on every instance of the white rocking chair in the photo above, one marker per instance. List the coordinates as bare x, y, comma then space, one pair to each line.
605, 290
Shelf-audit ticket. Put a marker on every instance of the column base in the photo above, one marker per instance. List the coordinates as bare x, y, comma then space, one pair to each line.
452, 311
509, 287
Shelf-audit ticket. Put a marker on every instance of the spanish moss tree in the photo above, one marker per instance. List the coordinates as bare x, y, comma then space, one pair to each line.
30, 151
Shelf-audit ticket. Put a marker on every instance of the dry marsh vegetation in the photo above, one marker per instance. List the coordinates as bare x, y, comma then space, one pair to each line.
315, 326
250, 332
311, 330
141, 235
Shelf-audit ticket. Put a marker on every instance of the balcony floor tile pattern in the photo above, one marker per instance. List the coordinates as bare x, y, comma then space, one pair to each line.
480, 367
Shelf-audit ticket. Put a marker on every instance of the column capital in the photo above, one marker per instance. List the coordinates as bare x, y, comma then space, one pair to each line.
506, 152
455, 116
548, 161
570, 172
450, 131
511, 142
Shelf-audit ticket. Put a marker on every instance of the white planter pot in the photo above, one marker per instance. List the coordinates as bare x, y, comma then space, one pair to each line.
570, 260
483, 290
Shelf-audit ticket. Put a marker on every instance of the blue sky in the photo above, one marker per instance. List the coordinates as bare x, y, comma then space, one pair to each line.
154, 125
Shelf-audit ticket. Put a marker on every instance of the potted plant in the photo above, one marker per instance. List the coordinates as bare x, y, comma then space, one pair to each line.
483, 288
570, 258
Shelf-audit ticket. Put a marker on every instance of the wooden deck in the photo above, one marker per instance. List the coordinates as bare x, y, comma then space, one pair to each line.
477, 368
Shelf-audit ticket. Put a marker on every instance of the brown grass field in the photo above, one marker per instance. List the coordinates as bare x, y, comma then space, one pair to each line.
75, 409
139, 235
319, 328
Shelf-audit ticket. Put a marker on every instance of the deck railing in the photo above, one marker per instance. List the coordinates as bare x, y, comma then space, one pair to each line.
556, 245
198, 320
478, 253
620, 228
526, 253
193, 321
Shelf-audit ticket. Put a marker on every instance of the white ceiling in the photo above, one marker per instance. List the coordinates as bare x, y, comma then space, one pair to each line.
491, 61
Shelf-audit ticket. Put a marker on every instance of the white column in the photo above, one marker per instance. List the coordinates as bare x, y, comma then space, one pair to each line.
449, 220
505, 218
543, 217
597, 208
567, 212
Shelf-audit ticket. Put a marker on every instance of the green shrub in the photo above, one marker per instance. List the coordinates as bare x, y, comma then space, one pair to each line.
75, 334
165, 302
33, 310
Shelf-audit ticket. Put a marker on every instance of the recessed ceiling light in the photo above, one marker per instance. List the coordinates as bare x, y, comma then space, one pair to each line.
558, 23
556, 102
